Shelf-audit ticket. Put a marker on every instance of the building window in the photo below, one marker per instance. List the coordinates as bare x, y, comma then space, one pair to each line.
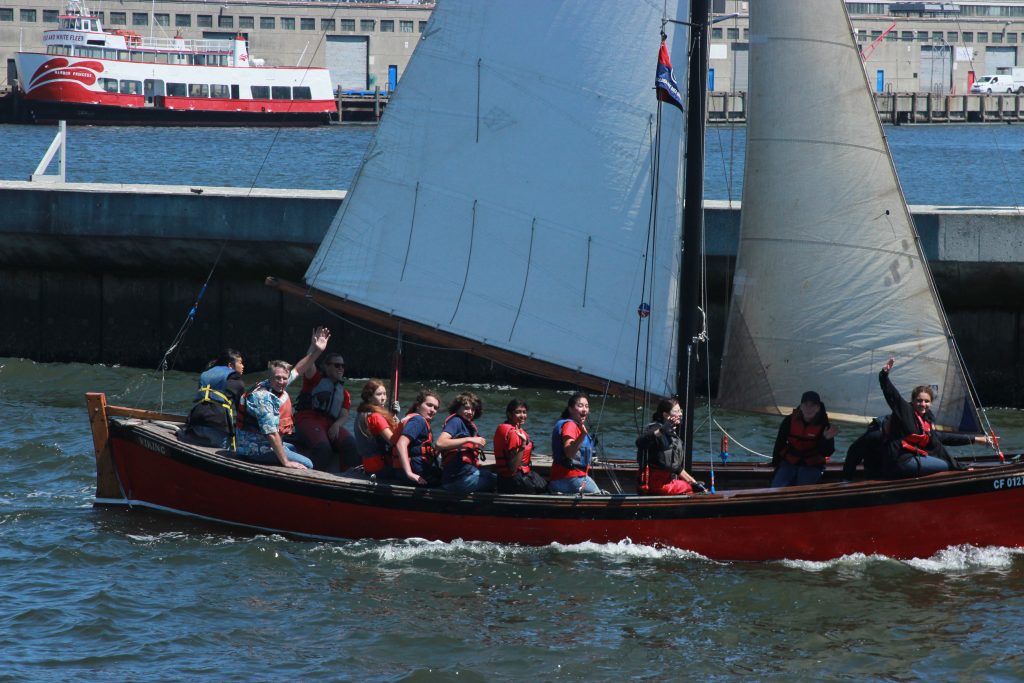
423, 26
982, 36
952, 36
367, 25
862, 35
997, 37
6, 14
405, 26
968, 36
246, 22
288, 23
307, 24
162, 19
183, 20
936, 36
225, 22
907, 36
204, 21
347, 24
732, 34
27, 15
327, 24
118, 19
716, 34
892, 37
268, 22
1011, 38
50, 16
140, 19
387, 26
99, 15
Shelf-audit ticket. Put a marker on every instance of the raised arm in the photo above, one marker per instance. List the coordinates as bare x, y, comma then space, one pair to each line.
306, 367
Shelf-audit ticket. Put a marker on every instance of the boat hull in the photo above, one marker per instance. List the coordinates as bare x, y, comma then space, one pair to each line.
48, 112
912, 518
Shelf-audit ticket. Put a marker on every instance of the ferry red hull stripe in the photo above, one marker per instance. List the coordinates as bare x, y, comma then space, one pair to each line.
916, 522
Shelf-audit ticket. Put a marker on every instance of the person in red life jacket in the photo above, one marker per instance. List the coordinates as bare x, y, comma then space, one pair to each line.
264, 415
322, 409
460, 446
512, 452
572, 450
211, 422
912, 447
805, 442
660, 455
375, 425
412, 454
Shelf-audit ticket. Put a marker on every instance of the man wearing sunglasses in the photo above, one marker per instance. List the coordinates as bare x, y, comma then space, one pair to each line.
321, 411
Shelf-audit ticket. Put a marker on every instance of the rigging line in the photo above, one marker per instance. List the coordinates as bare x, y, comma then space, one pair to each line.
526, 278
175, 346
412, 225
586, 271
469, 262
654, 137
733, 440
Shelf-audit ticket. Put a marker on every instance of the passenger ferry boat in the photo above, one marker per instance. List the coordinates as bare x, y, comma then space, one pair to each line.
91, 75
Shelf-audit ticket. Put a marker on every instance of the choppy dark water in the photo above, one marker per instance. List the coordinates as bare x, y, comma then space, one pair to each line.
970, 164
113, 595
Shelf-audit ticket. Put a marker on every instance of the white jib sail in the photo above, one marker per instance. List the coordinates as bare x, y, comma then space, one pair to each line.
830, 279
506, 197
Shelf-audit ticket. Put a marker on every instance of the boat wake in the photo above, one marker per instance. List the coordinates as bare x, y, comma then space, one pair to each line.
961, 558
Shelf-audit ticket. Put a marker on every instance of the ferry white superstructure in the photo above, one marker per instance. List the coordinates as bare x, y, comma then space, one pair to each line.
91, 75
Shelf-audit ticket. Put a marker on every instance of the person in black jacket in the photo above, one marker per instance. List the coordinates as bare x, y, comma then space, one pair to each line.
660, 455
211, 422
805, 442
912, 447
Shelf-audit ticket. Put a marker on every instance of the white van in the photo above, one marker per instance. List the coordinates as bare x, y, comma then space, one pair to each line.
997, 83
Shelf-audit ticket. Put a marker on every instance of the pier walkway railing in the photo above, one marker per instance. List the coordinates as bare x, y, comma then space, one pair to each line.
900, 108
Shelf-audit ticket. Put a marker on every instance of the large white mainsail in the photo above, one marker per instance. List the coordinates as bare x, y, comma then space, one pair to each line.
830, 279
507, 195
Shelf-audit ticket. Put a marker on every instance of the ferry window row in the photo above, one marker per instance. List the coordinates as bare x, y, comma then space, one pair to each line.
141, 56
30, 16
152, 87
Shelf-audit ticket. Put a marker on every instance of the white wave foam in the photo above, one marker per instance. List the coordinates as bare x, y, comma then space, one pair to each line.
627, 549
956, 558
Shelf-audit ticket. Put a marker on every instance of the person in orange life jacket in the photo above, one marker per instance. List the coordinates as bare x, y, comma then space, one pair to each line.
460, 447
804, 444
412, 455
660, 454
912, 448
572, 450
264, 416
322, 409
513, 451
211, 422
374, 427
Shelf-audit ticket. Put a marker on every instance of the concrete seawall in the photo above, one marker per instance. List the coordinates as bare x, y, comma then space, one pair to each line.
107, 273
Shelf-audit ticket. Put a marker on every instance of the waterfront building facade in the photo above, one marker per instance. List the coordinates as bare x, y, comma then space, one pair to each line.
932, 47
365, 45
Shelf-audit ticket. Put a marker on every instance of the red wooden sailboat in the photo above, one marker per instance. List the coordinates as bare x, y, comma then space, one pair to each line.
447, 236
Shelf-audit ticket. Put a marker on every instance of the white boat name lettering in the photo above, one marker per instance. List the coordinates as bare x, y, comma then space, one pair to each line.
66, 36
1008, 483
152, 445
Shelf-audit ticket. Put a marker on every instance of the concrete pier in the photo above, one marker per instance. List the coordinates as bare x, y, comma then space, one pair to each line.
899, 108
107, 273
